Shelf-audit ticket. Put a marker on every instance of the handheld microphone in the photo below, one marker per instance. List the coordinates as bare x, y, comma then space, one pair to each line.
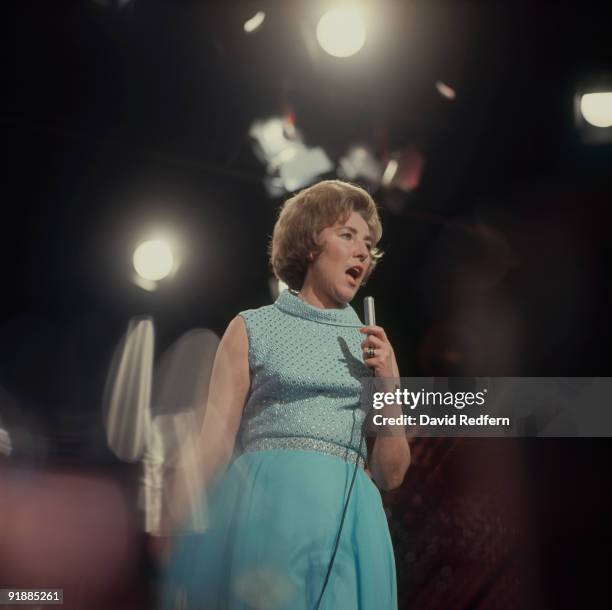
368, 309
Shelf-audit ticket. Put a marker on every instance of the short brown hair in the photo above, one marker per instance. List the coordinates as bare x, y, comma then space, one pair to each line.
303, 217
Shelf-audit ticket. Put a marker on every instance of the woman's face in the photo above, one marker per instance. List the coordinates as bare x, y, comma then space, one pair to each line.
337, 272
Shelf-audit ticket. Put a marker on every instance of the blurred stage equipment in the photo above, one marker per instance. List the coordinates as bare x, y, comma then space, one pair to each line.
360, 164
593, 110
159, 425
341, 31
290, 164
127, 395
404, 169
182, 380
401, 173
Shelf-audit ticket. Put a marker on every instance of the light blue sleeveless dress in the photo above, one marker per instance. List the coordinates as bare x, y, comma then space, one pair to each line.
274, 516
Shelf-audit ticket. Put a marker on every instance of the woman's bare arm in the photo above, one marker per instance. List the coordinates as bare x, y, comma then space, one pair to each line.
390, 457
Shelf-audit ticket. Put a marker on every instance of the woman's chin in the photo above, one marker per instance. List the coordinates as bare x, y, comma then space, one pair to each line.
345, 296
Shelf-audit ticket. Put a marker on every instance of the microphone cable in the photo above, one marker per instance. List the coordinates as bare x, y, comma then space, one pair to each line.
370, 319
333, 557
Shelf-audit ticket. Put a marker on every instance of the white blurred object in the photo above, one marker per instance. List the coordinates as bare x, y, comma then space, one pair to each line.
165, 442
276, 287
273, 137
304, 167
148, 285
152, 480
389, 172
593, 109
170, 452
290, 164
182, 374
127, 395
341, 31
254, 23
359, 162
182, 379
445, 91
402, 171
596, 108
5, 441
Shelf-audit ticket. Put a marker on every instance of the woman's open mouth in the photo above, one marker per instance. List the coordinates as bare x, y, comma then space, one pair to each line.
355, 273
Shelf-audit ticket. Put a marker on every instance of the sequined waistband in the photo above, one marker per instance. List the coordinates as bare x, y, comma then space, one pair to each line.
305, 444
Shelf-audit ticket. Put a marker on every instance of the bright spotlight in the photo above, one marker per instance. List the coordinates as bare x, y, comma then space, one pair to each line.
596, 108
254, 22
341, 31
153, 260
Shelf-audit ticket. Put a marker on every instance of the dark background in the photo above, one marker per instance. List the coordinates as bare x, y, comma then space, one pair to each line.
116, 120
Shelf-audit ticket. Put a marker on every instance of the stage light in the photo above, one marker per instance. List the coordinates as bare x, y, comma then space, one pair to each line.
593, 109
254, 23
153, 260
390, 172
596, 108
445, 91
341, 31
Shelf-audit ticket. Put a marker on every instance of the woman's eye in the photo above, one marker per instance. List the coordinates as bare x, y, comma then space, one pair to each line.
346, 235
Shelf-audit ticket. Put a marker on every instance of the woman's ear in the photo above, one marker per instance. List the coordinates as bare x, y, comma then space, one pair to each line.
310, 257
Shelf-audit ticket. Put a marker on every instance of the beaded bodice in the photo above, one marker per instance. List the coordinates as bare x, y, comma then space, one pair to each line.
306, 367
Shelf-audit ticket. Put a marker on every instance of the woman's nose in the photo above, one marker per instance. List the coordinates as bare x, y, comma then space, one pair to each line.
362, 252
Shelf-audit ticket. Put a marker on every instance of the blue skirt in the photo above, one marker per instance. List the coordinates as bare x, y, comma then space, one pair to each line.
273, 523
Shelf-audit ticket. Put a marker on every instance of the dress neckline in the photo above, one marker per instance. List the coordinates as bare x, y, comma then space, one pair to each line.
290, 303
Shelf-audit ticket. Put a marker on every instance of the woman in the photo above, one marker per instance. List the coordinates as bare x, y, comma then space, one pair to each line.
289, 528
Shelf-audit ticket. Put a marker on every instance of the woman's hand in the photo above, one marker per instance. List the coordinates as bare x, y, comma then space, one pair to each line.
378, 353
390, 455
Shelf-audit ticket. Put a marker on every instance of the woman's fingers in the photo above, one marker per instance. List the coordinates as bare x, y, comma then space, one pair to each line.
372, 341
376, 331
377, 351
